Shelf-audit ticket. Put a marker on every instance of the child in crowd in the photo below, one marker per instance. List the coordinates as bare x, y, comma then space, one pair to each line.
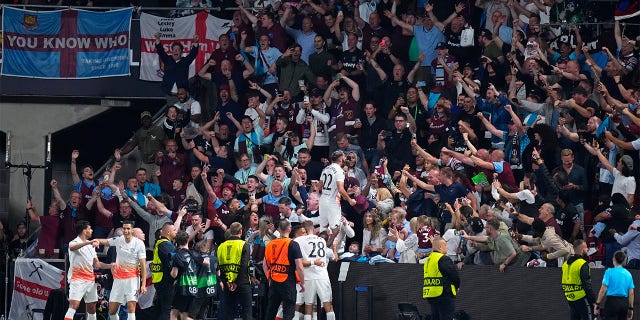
353, 254
395, 222
427, 229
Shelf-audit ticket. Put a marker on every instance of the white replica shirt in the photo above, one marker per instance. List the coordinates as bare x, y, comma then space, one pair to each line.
330, 177
128, 255
81, 262
313, 248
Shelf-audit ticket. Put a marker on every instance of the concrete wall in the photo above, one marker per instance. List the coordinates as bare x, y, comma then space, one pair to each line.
485, 293
29, 123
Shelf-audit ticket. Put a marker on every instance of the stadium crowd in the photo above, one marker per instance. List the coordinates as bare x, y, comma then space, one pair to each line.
492, 125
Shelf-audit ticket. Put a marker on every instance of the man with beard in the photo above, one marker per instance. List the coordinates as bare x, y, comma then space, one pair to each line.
332, 182
82, 261
190, 106
576, 283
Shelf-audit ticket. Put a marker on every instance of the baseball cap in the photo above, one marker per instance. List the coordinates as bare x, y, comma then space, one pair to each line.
229, 186
224, 87
145, 114
442, 45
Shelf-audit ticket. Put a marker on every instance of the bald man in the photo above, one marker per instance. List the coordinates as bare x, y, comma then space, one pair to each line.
441, 281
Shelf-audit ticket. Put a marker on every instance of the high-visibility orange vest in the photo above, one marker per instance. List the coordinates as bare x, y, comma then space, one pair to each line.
276, 255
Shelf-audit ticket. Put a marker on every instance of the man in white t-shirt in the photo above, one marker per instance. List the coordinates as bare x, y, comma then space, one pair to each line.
191, 106
82, 259
128, 275
315, 259
255, 107
332, 186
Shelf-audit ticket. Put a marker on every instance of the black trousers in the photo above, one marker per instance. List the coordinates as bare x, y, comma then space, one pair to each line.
285, 293
616, 308
242, 296
442, 307
164, 299
580, 310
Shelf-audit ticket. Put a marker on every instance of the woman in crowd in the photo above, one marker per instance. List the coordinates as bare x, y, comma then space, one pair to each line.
373, 235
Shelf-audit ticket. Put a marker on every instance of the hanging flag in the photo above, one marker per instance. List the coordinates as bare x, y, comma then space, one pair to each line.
66, 43
33, 280
207, 27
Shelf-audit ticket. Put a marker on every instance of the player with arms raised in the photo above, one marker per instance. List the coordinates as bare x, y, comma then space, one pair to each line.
332, 187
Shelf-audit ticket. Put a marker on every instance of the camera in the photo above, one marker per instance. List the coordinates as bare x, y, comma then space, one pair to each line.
387, 135
442, 205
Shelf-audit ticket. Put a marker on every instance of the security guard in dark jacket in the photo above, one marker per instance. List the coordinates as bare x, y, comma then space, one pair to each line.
283, 267
233, 258
576, 283
441, 282
161, 269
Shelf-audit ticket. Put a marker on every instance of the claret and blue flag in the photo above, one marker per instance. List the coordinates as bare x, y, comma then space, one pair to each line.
66, 44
